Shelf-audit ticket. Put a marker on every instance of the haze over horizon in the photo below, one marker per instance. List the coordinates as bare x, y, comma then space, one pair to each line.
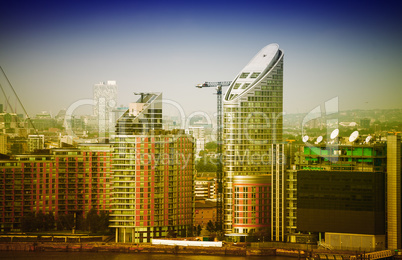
54, 52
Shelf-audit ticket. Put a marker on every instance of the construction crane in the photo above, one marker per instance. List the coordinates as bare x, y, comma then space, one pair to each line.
214, 84
218, 85
19, 101
142, 94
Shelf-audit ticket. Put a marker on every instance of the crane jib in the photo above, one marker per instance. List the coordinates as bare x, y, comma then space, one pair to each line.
214, 84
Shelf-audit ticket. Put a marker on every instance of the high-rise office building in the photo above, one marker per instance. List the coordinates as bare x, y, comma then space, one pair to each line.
253, 107
394, 225
290, 203
278, 168
3, 144
36, 142
340, 193
152, 175
349, 207
198, 132
105, 102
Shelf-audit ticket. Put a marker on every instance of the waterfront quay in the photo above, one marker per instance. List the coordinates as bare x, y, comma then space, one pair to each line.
240, 250
229, 249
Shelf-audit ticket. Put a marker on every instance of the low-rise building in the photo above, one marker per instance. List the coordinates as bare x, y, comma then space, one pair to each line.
205, 211
57, 181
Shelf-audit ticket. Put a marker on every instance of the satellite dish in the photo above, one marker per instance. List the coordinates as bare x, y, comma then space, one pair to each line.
319, 139
353, 137
334, 134
368, 139
305, 138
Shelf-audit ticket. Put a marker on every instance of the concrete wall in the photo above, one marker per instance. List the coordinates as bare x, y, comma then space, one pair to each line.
343, 241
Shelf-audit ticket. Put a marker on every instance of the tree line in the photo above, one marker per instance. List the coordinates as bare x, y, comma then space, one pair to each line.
39, 222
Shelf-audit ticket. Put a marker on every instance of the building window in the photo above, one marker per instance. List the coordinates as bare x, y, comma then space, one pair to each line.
237, 85
244, 75
255, 75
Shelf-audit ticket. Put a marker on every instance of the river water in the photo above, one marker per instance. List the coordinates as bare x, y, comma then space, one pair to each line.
19, 255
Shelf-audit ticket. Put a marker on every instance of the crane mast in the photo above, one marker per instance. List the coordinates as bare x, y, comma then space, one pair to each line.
19, 101
219, 138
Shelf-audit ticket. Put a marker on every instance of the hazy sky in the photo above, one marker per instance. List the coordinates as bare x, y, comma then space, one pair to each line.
55, 51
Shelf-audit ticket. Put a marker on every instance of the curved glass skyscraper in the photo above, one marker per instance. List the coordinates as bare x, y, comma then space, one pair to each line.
253, 107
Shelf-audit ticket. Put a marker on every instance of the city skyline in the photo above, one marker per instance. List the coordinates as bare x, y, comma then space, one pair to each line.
300, 183
55, 52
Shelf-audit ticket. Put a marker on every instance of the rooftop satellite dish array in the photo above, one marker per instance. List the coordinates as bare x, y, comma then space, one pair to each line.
354, 137
334, 134
368, 139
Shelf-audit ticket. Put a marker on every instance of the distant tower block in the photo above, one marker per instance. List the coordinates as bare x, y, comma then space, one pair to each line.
105, 101
36, 142
365, 123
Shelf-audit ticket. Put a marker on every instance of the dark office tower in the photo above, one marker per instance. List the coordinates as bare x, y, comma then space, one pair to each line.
252, 123
341, 202
341, 189
394, 192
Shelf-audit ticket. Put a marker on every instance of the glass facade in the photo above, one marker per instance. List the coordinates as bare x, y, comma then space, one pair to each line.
290, 203
337, 187
356, 157
278, 166
252, 122
394, 221
343, 202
